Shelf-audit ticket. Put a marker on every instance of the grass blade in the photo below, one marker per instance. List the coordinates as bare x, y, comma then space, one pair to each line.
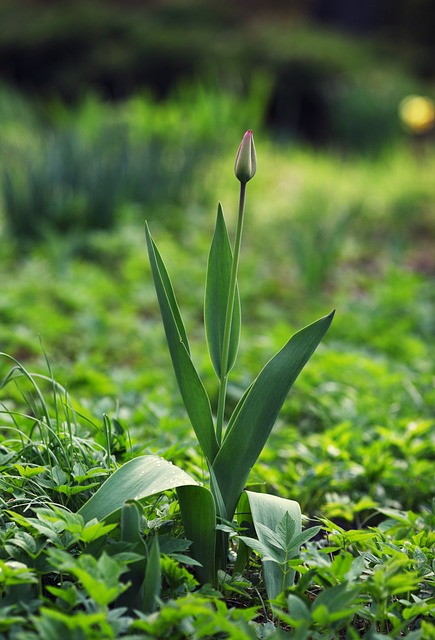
246, 435
135, 480
216, 298
192, 390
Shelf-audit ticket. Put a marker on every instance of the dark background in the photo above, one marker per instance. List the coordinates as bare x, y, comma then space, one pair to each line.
370, 51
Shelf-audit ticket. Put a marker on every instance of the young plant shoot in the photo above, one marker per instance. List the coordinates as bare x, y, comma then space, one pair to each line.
230, 450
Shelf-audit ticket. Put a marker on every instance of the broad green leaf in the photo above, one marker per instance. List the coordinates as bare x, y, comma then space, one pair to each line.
137, 479
257, 411
192, 390
199, 519
269, 511
339, 599
216, 298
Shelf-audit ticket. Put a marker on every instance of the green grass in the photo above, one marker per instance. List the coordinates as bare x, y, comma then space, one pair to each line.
354, 443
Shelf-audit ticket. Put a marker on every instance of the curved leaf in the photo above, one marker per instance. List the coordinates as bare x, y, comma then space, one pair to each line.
135, 480
192, 390
217, 286
258, 409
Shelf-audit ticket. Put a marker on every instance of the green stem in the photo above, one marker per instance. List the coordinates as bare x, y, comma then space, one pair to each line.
229, 316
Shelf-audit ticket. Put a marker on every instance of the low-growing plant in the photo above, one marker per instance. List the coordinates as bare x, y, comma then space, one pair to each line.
46, 454
363, 581
230, 450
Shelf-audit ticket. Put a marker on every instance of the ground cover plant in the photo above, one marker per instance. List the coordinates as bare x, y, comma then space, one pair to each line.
353, 444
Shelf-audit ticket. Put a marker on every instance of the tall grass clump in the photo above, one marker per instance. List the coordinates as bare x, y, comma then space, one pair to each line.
47, 455
81, 171
66, 183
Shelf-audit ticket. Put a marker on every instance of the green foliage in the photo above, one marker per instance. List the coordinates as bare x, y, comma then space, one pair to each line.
364, 585
353, 443
47, 451
199, 515
277, 524
82, 172
135, 480
75, 184
253, 418
248, 427
216, 297
119, 50
198, 617
192, 390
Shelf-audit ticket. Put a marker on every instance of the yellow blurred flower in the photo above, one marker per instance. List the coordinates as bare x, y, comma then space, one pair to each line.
417, 113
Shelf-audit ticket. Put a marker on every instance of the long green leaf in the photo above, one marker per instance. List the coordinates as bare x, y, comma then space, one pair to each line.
137, 479
153, 579
192, 390
198, 512
268, 511
169, 293
216, 298
256, 413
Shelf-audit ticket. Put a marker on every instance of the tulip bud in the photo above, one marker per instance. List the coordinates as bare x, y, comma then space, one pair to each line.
246, 159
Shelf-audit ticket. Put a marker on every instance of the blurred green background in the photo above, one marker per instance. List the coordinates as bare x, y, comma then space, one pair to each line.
107, 105
116, 112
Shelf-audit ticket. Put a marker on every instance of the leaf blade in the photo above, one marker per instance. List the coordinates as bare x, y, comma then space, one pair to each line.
217, 286
135, 480
169, 291
269, 511
192, 390
259, 408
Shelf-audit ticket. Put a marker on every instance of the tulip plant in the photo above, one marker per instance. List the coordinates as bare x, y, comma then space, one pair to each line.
230, 450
